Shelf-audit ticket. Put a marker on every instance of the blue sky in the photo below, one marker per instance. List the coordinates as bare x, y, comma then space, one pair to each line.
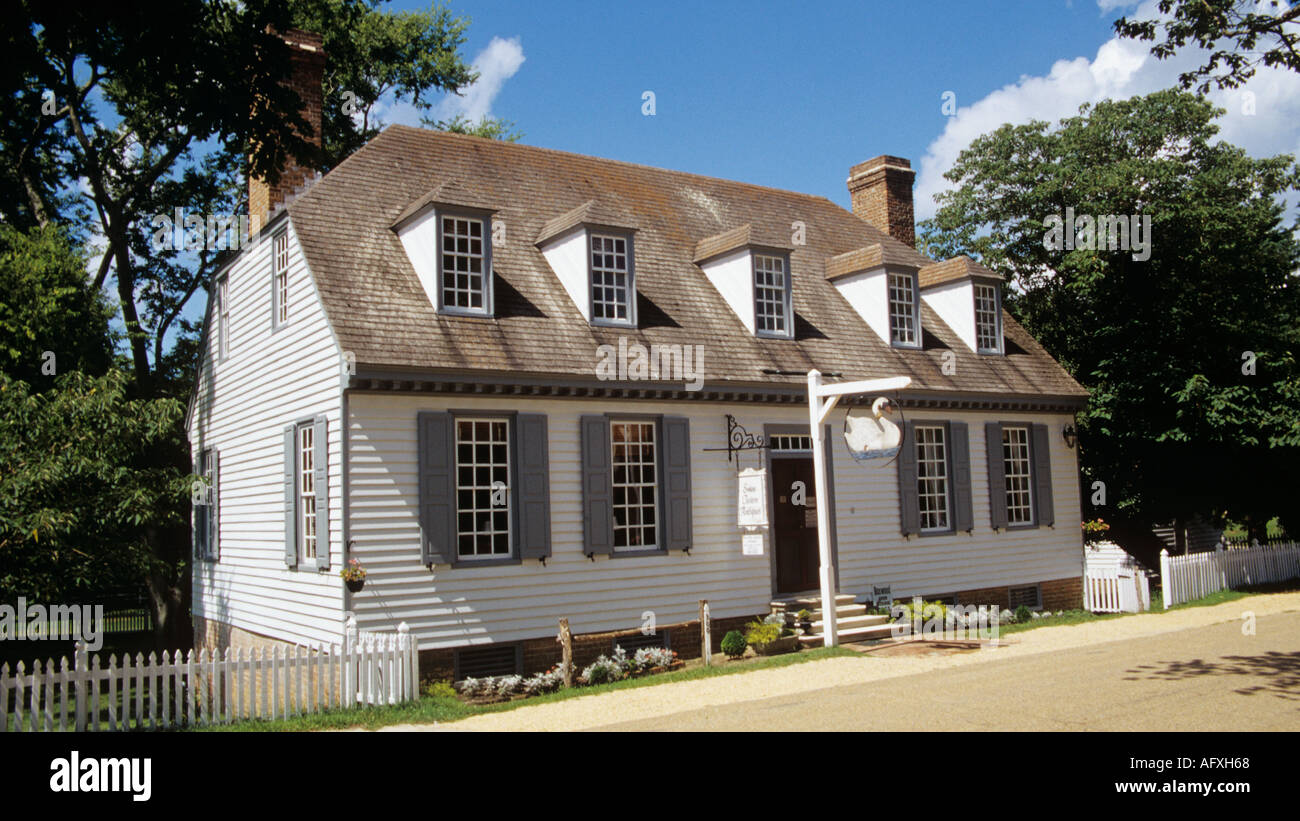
791, 97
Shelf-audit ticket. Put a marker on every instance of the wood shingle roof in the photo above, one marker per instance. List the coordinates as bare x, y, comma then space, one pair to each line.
381, 314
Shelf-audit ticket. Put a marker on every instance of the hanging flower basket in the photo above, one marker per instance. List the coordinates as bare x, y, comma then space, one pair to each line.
354, 575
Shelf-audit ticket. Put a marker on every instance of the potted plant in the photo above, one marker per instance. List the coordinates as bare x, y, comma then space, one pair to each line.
771, 636
354, 575
805, 621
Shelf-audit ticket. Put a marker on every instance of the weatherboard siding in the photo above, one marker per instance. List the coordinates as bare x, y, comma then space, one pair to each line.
453, 606
269, 380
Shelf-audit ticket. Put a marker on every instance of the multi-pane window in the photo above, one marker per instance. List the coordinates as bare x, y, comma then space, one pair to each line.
610, 279
280, 267
770, 309
1019, 478
932, 477
902, 309
464, 264
223, 318
306, 483
634, 485
205, 512
482, 488
786, 442
986, 318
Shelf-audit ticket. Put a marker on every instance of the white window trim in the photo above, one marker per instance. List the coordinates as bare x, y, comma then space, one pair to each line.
304, 481
1032, 521
223, 318
916, 308
945, 462
486, 284
510, 482
630, 274
786, 304
280, 279
654, 484
997, 317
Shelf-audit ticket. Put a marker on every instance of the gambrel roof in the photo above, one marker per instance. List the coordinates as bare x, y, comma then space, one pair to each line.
380, 313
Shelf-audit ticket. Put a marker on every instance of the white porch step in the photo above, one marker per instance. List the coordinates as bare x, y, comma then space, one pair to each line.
849, 635
851, 622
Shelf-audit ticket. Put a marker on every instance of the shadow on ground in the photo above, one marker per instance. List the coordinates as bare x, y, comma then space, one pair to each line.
1273, 673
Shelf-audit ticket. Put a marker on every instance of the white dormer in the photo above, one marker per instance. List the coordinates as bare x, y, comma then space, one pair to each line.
592, 252
752, 273
447, 236
968, 298
883, 287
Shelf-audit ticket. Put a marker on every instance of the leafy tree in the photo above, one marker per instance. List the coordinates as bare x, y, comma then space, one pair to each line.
47, 305
1175, 426
1240, 35
489, 128
82, 496
109, 118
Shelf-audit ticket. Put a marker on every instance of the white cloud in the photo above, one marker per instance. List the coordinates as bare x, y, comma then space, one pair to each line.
494, 64
1119, 70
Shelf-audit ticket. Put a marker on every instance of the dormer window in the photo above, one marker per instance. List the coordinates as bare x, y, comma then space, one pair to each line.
904, 324
612, 286
464, 264
772, 309
988, 319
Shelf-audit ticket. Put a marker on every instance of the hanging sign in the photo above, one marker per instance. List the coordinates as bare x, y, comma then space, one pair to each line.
751, 510
751, 544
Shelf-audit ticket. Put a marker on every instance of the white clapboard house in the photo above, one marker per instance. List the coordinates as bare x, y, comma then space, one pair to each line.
433, 359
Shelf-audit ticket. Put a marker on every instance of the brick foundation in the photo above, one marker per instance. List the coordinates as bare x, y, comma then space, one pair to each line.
1057, 594
210, 634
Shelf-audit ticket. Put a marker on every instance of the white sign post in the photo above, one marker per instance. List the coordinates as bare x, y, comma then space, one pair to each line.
821, 401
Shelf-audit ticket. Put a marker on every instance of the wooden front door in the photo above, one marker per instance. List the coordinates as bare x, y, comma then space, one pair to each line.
794, 526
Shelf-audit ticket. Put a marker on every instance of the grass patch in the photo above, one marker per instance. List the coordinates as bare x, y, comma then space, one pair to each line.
444, 708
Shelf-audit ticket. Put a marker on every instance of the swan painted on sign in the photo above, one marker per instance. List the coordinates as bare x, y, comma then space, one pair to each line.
874, 436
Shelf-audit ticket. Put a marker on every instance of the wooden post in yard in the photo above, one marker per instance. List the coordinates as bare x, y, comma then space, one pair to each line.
566, 652
706, 634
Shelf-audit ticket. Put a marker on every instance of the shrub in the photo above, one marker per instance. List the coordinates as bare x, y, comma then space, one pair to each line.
606, 668
762, 632
548, 682
1023, 613
439, 689
734, 644
509, 685
470, 687
650, 657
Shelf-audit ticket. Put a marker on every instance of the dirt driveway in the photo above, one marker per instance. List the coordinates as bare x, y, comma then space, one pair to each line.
649, 703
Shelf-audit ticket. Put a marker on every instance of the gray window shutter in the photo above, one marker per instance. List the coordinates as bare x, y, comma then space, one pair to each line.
214, 509
909, 507
597, 493
437, 434
677, 482
997, 475
200, 525
290, 499
963, 514
533, 487
321, 484
1044, 513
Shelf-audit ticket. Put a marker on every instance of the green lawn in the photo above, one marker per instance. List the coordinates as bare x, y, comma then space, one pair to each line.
449, 708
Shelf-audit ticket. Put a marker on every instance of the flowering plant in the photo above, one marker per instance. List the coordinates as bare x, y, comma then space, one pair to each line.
1094, 530
353, 572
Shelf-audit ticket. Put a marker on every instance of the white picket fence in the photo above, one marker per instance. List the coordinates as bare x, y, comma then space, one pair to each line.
1113, 582
1116, 590
209, 687
1195, 575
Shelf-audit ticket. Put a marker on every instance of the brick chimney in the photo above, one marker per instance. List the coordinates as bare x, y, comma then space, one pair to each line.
881, 193
306, 75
